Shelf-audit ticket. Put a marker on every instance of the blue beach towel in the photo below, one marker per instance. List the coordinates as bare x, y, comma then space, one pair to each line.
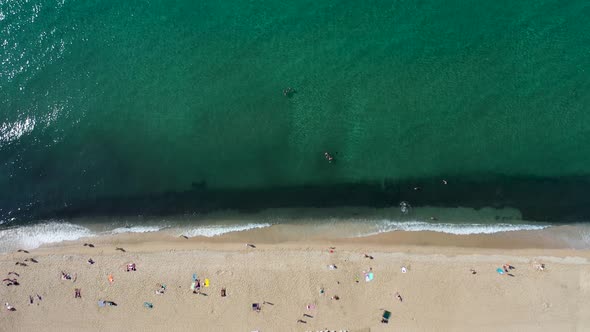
500, 270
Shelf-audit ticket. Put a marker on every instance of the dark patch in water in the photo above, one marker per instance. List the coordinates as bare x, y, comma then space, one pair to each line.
540, 199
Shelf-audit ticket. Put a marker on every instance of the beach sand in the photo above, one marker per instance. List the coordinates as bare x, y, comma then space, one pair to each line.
439, 292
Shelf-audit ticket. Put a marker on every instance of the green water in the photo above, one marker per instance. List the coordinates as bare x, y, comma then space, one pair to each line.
135, 97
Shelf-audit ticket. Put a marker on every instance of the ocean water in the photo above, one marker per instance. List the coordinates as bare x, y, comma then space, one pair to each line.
157, 108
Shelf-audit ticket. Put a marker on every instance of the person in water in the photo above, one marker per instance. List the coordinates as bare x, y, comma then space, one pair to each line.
328, 157
288, 92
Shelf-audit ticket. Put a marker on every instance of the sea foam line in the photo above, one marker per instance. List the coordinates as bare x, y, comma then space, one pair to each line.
33, 236
216, 230
138, 229
453, 228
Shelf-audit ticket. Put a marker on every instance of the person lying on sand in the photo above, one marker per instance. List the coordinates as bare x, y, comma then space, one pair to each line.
120, 249
399, 297
11, 282
16, 274
22, 250
65, 276
90, 261
197, 286
21, 264
9, 307
161, 289
31, 260
89, 245
250, 245
131, 267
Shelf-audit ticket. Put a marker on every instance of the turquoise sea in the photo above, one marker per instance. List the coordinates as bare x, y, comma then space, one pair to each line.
158, 107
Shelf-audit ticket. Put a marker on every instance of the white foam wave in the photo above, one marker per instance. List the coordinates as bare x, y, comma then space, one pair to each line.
30, 237
138, 229
216, 230
458, 229
13, 131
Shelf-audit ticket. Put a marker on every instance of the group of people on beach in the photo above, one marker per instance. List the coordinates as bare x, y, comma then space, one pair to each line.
11, 281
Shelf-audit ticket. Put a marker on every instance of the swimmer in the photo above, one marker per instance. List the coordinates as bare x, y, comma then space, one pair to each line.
288, 92
328, 157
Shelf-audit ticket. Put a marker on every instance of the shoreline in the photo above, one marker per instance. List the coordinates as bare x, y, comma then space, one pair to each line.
461, 227
317, 235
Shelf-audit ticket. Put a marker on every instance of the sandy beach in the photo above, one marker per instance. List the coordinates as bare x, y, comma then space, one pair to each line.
439, 291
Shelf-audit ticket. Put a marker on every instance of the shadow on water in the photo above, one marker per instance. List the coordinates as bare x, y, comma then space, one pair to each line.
538, 199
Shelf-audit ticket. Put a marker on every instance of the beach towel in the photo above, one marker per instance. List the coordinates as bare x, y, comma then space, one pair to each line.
148, 305
101, 303
500, 270
206, 282
386, 316
369, 276
193, 286
194, 277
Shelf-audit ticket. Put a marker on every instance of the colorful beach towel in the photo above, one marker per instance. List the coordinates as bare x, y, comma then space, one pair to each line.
500, 270
206, 282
